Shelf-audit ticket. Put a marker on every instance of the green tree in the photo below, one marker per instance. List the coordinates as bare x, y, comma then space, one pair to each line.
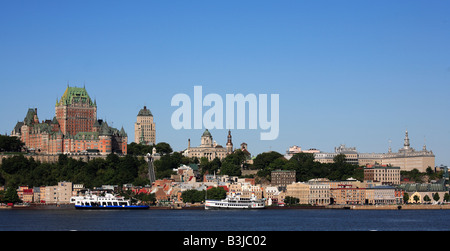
10, 144
163, 148
339, 159
193, 196
216, 193
291, 200
263, 160
436, 197
416, 198
11, 196
405, 198
146, 198
231, 169
446, 197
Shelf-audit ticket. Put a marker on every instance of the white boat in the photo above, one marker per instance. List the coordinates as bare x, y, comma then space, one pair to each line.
235, 202
108, 201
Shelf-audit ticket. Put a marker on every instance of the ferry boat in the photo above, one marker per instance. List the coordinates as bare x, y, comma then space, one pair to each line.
108, 201
235, 202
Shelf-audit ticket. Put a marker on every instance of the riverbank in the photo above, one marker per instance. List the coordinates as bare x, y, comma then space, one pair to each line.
391, 207
298, 207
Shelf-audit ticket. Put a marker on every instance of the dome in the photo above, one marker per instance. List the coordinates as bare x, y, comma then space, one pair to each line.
206, 133
145, 112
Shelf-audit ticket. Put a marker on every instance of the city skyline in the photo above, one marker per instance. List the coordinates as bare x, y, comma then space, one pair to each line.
358, 73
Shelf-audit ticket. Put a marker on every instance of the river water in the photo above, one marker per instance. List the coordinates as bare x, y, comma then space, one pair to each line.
219, 220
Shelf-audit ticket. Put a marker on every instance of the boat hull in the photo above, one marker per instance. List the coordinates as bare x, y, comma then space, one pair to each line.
230, 205
136, 207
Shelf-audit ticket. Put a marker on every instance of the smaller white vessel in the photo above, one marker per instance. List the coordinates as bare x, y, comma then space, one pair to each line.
108, 201
235, 202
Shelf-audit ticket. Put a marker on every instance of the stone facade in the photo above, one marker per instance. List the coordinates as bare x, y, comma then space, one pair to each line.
407, 158
209, 148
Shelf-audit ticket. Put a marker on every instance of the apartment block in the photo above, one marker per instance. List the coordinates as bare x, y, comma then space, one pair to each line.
384, 174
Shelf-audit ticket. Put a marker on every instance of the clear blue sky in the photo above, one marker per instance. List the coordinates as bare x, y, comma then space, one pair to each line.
348, 72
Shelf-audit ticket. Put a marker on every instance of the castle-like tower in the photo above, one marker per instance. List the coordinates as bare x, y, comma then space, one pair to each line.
144, 128
75, 111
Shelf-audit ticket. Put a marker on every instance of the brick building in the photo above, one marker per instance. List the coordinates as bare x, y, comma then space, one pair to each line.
382, 173
74, 129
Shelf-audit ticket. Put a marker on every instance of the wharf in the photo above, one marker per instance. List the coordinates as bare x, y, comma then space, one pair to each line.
391, 207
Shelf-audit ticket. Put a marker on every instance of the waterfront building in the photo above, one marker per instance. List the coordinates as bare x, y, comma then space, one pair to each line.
25, 194
348, 195
382, 173
144, 128
282, 178
310, 193
39, 194
209, 148
273, 195
422, 190
74, 129
381, 195
299, 190
59, 194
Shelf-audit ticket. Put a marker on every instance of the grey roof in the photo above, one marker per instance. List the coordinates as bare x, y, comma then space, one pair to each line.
428, 187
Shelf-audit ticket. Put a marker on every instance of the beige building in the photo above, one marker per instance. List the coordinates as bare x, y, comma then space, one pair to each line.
422, 190
309, 193
407, 158
245, 190
209, 148
144, 128
273, 196
58, 194
348, 195
380, 195
351, 155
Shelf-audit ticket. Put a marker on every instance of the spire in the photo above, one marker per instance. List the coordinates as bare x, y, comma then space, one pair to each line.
229, 143
229, 138
406, 144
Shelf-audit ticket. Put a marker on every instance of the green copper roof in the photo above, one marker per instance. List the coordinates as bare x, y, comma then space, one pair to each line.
206, 133
30, 116
75, 95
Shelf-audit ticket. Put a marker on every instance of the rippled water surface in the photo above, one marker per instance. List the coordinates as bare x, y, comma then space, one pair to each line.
205, 220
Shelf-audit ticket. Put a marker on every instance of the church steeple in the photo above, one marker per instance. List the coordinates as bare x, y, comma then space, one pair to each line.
229, 143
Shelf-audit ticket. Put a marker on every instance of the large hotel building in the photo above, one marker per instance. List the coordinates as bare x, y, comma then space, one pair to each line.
74, 129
